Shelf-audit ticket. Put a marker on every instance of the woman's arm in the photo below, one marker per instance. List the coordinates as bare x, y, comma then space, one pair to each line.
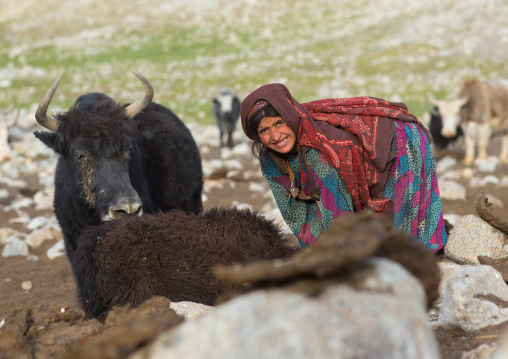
308, 219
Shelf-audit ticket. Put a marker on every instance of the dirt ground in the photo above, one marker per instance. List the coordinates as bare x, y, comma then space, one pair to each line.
53, 282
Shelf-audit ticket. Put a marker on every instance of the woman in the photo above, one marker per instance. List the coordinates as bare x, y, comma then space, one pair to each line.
327, 158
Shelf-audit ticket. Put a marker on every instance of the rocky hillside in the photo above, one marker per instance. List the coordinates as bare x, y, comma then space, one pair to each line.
189, 49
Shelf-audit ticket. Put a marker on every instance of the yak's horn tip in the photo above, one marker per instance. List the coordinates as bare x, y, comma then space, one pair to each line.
56, 83
139, 76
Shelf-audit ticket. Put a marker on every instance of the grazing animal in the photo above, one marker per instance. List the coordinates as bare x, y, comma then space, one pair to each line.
7, 120
439, 141
118, 159
170, 254
481, 109
226, 110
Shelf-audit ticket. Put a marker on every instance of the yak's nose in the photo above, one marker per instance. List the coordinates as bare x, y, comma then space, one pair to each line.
124, 206
448, 133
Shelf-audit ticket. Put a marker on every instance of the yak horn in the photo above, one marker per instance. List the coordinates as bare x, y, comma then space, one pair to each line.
135, 108
50, 123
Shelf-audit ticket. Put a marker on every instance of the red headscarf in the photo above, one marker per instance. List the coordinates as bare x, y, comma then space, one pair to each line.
353, 134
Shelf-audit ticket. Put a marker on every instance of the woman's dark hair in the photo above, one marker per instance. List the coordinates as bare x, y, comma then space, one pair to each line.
252, 127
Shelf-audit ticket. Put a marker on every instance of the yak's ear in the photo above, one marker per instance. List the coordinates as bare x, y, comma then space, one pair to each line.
48, 138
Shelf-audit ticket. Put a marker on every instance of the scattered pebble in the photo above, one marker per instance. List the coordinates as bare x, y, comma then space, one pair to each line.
57, 250
26, 285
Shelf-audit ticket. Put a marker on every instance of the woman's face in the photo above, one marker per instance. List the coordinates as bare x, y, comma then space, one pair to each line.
274, 133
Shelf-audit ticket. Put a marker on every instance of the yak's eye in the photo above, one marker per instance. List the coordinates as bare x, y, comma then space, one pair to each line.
81, 157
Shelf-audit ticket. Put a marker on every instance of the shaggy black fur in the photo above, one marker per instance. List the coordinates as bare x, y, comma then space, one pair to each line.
172, 254
105, 157
335, 257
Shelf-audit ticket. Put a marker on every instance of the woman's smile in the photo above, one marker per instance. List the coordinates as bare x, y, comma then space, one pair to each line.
281, 143
275, 134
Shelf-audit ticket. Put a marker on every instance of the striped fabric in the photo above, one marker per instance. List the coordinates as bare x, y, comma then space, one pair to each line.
412, 187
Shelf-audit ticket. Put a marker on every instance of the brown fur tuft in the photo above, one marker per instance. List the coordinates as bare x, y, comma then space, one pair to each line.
332, 259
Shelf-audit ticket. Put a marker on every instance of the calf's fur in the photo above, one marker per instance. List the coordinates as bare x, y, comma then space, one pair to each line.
130, 260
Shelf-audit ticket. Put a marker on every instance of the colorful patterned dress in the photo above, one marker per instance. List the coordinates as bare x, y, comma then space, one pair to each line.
412, 186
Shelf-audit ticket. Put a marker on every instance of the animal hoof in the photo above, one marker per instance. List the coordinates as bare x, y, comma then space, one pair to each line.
468, 161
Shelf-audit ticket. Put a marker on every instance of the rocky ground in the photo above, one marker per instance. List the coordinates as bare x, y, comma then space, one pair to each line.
395, 49
32, 280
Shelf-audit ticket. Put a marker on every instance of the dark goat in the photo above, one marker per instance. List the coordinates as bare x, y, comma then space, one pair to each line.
117, 159
171, 254
226, 110
436, 126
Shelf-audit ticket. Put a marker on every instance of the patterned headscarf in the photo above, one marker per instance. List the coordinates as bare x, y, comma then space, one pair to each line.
257, 106
353, 134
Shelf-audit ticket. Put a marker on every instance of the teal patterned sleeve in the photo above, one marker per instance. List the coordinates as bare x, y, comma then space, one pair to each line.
298, 215
308, 219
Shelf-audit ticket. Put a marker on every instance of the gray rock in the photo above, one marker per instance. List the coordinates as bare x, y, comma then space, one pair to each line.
36, 223
21, 202
342, 322
487, 165
233, 164
44, 198
190, 310
57, 250
445, 163
452, 218
446, 268
5, 233
4, 193
15, 246
36, 238
473, 237
452, 190
469, 299
385, 276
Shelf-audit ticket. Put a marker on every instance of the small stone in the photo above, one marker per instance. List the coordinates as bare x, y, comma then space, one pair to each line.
15, 246
57, 250
26, 285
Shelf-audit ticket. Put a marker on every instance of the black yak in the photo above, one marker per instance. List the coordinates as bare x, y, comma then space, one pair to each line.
118, 159
173, 254
226, 110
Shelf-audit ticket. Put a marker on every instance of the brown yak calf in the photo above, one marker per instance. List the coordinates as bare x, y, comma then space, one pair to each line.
130, 260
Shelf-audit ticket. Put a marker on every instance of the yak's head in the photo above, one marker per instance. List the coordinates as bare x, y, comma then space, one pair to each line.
98, 151
450, 114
